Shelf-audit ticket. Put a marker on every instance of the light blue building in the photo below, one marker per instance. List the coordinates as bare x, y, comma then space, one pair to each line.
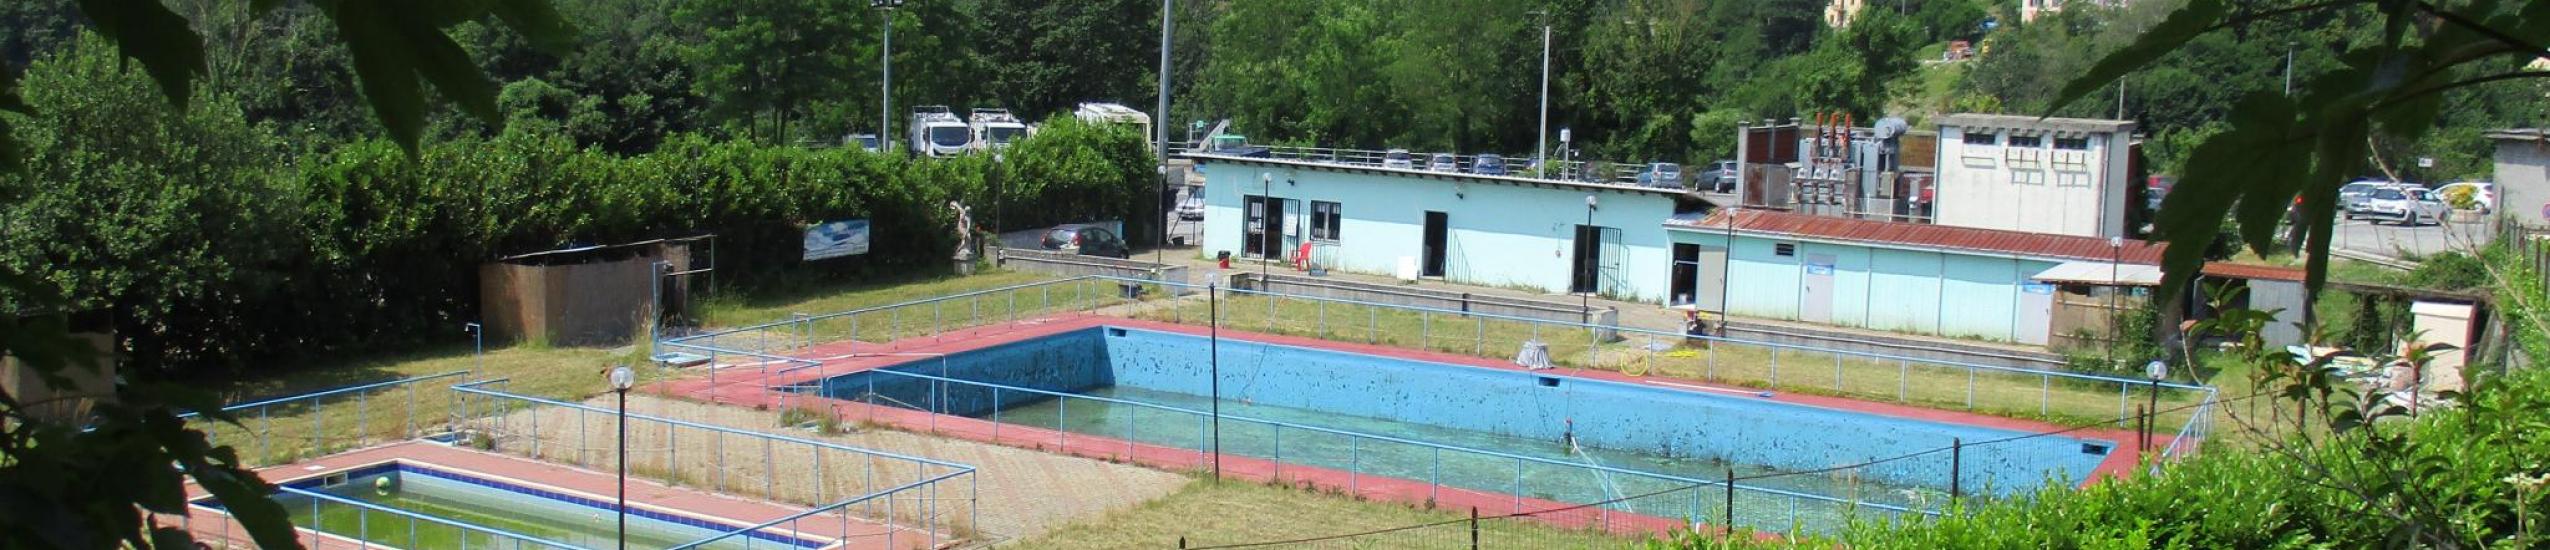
1903, 277
1509, 231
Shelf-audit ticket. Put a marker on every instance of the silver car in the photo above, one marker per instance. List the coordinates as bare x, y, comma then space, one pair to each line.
1442, 162
1398, 158
2353, 197
2407, 205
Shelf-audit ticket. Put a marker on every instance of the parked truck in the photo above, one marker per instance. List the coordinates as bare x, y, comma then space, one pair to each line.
995, 129
1112, 113
936, 132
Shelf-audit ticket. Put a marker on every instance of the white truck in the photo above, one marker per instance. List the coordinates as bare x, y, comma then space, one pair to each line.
936, 132
995, 129
1114, 113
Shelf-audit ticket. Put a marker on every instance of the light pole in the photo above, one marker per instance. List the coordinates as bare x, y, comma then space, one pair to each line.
2156, 371
2288, 67
1213, 313
1268, 228
885, 83
478, 352
621, 380
1540, 143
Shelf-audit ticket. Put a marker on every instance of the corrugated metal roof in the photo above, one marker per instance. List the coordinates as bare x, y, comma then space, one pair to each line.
2253, 271
1925, 236
2101, 273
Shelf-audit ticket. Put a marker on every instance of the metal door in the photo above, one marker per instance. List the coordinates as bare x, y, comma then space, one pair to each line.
1815, 300
1712, 286
2036, 312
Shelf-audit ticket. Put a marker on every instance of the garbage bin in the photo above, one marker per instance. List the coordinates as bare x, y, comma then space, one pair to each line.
1224, 257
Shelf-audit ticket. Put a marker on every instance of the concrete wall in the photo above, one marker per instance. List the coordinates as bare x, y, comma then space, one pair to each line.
2037, 190
1604, 414
1913, 291
1500, 234
1073, 362
2523, 181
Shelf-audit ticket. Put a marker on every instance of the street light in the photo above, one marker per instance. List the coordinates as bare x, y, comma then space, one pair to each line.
885, 83
621, 380
1585, 300
2156, 370
1540, 143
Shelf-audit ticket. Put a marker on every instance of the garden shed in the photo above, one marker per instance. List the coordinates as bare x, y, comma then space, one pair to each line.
587, 295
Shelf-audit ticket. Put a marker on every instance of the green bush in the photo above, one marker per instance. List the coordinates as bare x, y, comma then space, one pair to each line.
213, 246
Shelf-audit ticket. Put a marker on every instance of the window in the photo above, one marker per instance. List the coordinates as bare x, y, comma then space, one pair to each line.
1784, 249
1324, 220
2072, 144
1975, 138
2026, 142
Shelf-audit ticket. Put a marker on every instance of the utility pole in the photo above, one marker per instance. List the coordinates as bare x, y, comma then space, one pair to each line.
1540, 145
1160, 123
885, 83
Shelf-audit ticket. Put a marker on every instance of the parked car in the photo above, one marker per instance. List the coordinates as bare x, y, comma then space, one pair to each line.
1721, 177
2155, 190
1191, 204
1661, 174
2353, 197
2408, 205
2484, 194
865, 142
1490, 164
1442, 162
1086, 240
1398, 158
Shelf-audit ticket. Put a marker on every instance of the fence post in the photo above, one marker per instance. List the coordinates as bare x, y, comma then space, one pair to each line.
1474, 528
1956, 460
1730, 487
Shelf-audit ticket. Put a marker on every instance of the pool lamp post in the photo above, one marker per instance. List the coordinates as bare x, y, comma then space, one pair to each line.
1585, 299
621, 380
2156, 370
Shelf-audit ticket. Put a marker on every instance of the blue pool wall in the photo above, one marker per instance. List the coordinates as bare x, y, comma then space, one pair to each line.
1611, 415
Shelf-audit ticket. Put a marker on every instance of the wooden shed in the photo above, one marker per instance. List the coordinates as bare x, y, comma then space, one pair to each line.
591, 295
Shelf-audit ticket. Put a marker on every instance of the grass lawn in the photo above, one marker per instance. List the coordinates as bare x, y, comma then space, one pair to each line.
1205, 513
2020, 395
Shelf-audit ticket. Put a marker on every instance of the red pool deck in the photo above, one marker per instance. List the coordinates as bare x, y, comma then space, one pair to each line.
846, 532
750, 386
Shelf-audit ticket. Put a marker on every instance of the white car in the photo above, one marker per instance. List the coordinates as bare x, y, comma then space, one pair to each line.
1442, 162
2484, 193
2406, 205
1398, 158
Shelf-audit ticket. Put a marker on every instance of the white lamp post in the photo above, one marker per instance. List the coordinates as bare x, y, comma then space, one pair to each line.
621, 380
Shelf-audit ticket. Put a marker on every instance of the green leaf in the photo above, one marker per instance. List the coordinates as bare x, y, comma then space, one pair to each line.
146, 31
442, 62
247, 497
384, 67
2181, 26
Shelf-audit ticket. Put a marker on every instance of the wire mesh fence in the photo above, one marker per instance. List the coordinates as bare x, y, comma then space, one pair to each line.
916, 500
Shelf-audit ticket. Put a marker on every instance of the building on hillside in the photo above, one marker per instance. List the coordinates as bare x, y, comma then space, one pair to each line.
2523, 175
1904, 277
2061, 176
1838, 13
2030, 10
1512, 231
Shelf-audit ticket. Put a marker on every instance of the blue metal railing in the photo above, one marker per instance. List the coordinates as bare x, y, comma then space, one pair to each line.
256, 418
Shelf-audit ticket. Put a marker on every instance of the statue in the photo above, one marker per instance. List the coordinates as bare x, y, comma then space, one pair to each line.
964, 237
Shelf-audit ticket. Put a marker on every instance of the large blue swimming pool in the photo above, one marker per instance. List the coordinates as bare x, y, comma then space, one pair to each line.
1671, 432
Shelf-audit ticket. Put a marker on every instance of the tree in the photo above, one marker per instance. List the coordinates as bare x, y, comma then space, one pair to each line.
764, 62
96, 486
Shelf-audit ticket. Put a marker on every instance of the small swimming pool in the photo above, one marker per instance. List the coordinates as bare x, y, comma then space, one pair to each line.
457, 496
1148, 381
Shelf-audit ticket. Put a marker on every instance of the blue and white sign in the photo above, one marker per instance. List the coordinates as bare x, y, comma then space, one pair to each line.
836, 239
1819, 269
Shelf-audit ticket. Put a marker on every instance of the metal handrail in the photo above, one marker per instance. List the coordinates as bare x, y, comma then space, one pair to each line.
472, 387
416, 516
821, 509
1438, 446
325, 393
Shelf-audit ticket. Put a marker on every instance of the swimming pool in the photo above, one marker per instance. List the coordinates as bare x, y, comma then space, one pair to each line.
1362, 411
534, 513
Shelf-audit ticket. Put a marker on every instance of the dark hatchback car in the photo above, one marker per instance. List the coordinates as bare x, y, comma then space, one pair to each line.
1086, 240
1488, 165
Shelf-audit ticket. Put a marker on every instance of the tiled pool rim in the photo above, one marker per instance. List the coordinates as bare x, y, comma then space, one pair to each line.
759, 386
317, 480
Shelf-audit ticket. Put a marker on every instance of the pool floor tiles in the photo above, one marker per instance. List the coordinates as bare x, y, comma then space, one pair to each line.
853, 532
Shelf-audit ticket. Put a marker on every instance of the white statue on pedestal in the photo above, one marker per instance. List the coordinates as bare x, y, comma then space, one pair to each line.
964, 235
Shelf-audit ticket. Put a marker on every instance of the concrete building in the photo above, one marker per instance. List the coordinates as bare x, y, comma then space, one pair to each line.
1903, 277
1512, 231
2523, 175
2059, 176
